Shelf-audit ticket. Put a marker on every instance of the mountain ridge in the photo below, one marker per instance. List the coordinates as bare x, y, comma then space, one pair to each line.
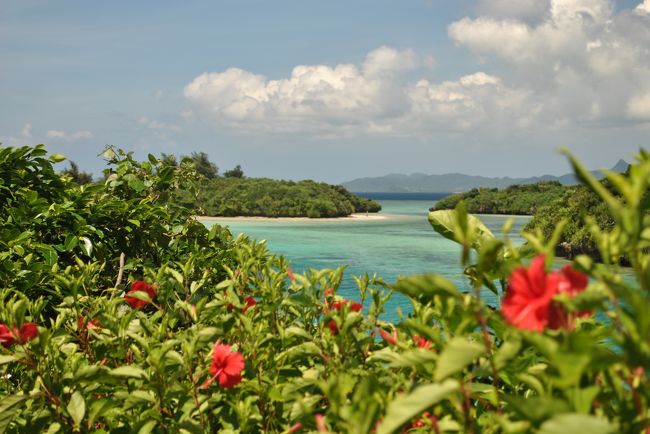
455, 182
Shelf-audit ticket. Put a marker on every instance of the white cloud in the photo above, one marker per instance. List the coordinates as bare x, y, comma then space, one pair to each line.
157, 125
639, 107
314, 97
347, 100
69, 136
386, 60
644, 7
581, 61
27, 130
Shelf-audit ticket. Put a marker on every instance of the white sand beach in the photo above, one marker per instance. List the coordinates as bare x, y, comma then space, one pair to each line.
352, 217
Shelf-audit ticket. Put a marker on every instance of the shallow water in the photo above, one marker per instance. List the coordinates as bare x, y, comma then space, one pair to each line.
402, 243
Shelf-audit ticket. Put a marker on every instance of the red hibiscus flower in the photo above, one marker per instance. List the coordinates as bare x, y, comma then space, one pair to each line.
422, 343
139, 286
226, 365
248, 303
27, 332
391, 338
529, 304
353, 306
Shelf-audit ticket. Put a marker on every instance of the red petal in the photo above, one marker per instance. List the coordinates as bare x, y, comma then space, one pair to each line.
229, 381
355, 307
28, 331
6, 336
234, 364
577, 281
391, 338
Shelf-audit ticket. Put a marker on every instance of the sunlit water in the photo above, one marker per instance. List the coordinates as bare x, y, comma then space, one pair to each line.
403, 243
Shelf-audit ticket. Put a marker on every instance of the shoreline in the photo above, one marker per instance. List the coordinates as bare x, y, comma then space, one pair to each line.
352, 217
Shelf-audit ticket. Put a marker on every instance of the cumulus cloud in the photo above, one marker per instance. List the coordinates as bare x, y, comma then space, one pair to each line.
347, 99
69, 136
27, 130
583, 62
556, 64
314, 97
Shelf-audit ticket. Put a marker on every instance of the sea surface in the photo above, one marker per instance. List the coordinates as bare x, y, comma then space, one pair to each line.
403, 243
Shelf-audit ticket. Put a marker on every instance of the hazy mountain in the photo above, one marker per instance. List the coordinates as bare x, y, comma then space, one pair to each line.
454, 182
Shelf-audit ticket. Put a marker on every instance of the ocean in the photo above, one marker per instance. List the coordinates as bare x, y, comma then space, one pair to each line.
402, 243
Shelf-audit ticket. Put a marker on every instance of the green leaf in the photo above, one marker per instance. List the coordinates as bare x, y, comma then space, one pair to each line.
70, 242
7, 358
128, 372
427, 285
147, 427
575, 423
77, 408
458, 353
405, 407
449, 224
9, 406
56, 158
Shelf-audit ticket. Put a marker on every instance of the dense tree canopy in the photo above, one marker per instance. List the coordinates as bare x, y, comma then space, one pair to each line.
235, 196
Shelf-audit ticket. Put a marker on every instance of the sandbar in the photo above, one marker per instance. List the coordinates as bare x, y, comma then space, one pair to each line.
352, 217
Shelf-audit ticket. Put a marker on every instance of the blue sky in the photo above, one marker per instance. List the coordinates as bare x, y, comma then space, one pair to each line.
331, 90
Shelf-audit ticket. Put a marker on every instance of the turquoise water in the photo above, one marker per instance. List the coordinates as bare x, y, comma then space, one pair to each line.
402, 243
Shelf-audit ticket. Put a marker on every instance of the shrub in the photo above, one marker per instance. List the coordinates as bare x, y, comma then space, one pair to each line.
169, 357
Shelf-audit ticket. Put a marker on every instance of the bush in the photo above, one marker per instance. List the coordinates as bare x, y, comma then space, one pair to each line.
197, 332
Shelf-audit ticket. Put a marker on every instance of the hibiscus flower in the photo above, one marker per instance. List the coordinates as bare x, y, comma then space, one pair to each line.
226, 365
529, 304
353, 306
27, 332
143, 287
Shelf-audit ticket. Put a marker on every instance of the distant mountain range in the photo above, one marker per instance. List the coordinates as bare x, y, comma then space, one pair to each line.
454, 182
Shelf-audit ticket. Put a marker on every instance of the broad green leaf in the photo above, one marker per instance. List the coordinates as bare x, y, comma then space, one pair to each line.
406, 407
7, 358
9, 406
147, 427
70, 242
128, 372
536, 408
457, 355
448, 224
427, 285
77, 408
575, 423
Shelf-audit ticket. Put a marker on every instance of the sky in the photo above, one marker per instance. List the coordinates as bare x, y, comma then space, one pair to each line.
331, 90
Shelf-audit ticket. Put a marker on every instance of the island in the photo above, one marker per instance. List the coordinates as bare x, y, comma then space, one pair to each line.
548, 202
264, 197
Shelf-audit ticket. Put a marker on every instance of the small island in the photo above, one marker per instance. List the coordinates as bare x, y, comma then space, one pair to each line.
232, 194
548, 203
263, 197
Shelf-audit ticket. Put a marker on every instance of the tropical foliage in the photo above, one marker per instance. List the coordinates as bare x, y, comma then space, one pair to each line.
235, 195
120, 313
514, 200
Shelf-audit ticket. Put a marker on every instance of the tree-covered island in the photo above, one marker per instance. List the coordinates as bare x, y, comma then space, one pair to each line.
232, 194
549, 203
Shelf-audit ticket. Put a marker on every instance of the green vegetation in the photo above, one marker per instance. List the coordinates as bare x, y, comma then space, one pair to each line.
120, 313
549, 203
238, 196
513, 200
